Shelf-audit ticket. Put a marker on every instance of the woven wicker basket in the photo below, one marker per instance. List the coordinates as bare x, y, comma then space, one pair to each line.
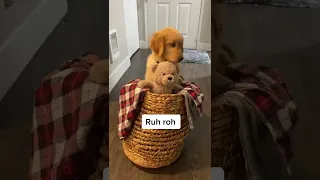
157, 148
226, 150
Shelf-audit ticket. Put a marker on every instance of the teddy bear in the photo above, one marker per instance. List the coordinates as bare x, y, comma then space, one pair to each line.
165, 79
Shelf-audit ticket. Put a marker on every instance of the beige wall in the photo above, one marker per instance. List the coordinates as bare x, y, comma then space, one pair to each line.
22, 36
117, 21
205, 36
20, 11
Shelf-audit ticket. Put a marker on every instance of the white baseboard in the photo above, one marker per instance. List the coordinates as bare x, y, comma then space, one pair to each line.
116, 75
204, 46
144, 45
22, 44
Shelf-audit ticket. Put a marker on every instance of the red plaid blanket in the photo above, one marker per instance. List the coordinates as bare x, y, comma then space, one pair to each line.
66, 110
131, 97
262, 92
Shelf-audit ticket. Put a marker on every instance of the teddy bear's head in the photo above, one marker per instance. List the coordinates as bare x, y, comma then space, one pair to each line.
165, 73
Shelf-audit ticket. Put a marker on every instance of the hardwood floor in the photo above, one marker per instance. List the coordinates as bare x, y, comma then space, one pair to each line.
194, 162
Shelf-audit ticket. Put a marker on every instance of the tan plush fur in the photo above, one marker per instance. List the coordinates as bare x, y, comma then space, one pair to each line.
166, 45
165, 76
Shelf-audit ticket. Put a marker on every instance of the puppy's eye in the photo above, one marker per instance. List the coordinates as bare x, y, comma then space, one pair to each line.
157, 62
173, 44
164, 74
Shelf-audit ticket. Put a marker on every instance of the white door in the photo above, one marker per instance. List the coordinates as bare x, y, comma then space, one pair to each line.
183, 15
131, 20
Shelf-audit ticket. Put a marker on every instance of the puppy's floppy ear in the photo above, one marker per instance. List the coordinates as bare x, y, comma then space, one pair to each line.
91, 58
178, 69
157, 43
154, 67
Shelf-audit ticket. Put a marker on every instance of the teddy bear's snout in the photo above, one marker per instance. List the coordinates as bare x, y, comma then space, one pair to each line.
168, 79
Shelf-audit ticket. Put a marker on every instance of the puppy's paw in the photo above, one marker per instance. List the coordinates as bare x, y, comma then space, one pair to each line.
181, 80
177, 87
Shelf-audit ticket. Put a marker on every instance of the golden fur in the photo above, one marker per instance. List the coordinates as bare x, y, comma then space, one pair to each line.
166, 45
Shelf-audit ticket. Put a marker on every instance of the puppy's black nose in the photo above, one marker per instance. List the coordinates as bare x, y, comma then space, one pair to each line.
180, 59
169, 78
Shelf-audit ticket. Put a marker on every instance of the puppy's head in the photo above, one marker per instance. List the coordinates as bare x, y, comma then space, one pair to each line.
167, 44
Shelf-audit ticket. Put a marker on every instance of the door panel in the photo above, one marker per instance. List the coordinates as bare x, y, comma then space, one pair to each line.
183, 18
162, 20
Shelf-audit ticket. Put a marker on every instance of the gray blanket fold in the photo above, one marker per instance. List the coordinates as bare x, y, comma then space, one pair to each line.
266, 114
262, 159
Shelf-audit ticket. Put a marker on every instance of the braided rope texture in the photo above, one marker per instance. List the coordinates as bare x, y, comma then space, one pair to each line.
103, 161
226, 150
155, 148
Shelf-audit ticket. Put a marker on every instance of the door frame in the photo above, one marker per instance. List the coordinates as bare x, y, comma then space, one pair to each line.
199, 46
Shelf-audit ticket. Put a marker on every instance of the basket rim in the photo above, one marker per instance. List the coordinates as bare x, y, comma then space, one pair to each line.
164, 95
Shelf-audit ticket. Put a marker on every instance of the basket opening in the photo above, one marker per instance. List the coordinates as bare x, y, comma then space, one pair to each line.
175, 94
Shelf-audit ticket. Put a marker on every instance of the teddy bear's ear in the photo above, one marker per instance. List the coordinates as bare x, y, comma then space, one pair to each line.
154, 67
157, 43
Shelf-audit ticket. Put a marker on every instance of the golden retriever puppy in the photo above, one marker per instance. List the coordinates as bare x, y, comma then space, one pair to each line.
166, 45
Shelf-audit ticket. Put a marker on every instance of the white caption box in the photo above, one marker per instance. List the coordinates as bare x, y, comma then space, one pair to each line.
161, 121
